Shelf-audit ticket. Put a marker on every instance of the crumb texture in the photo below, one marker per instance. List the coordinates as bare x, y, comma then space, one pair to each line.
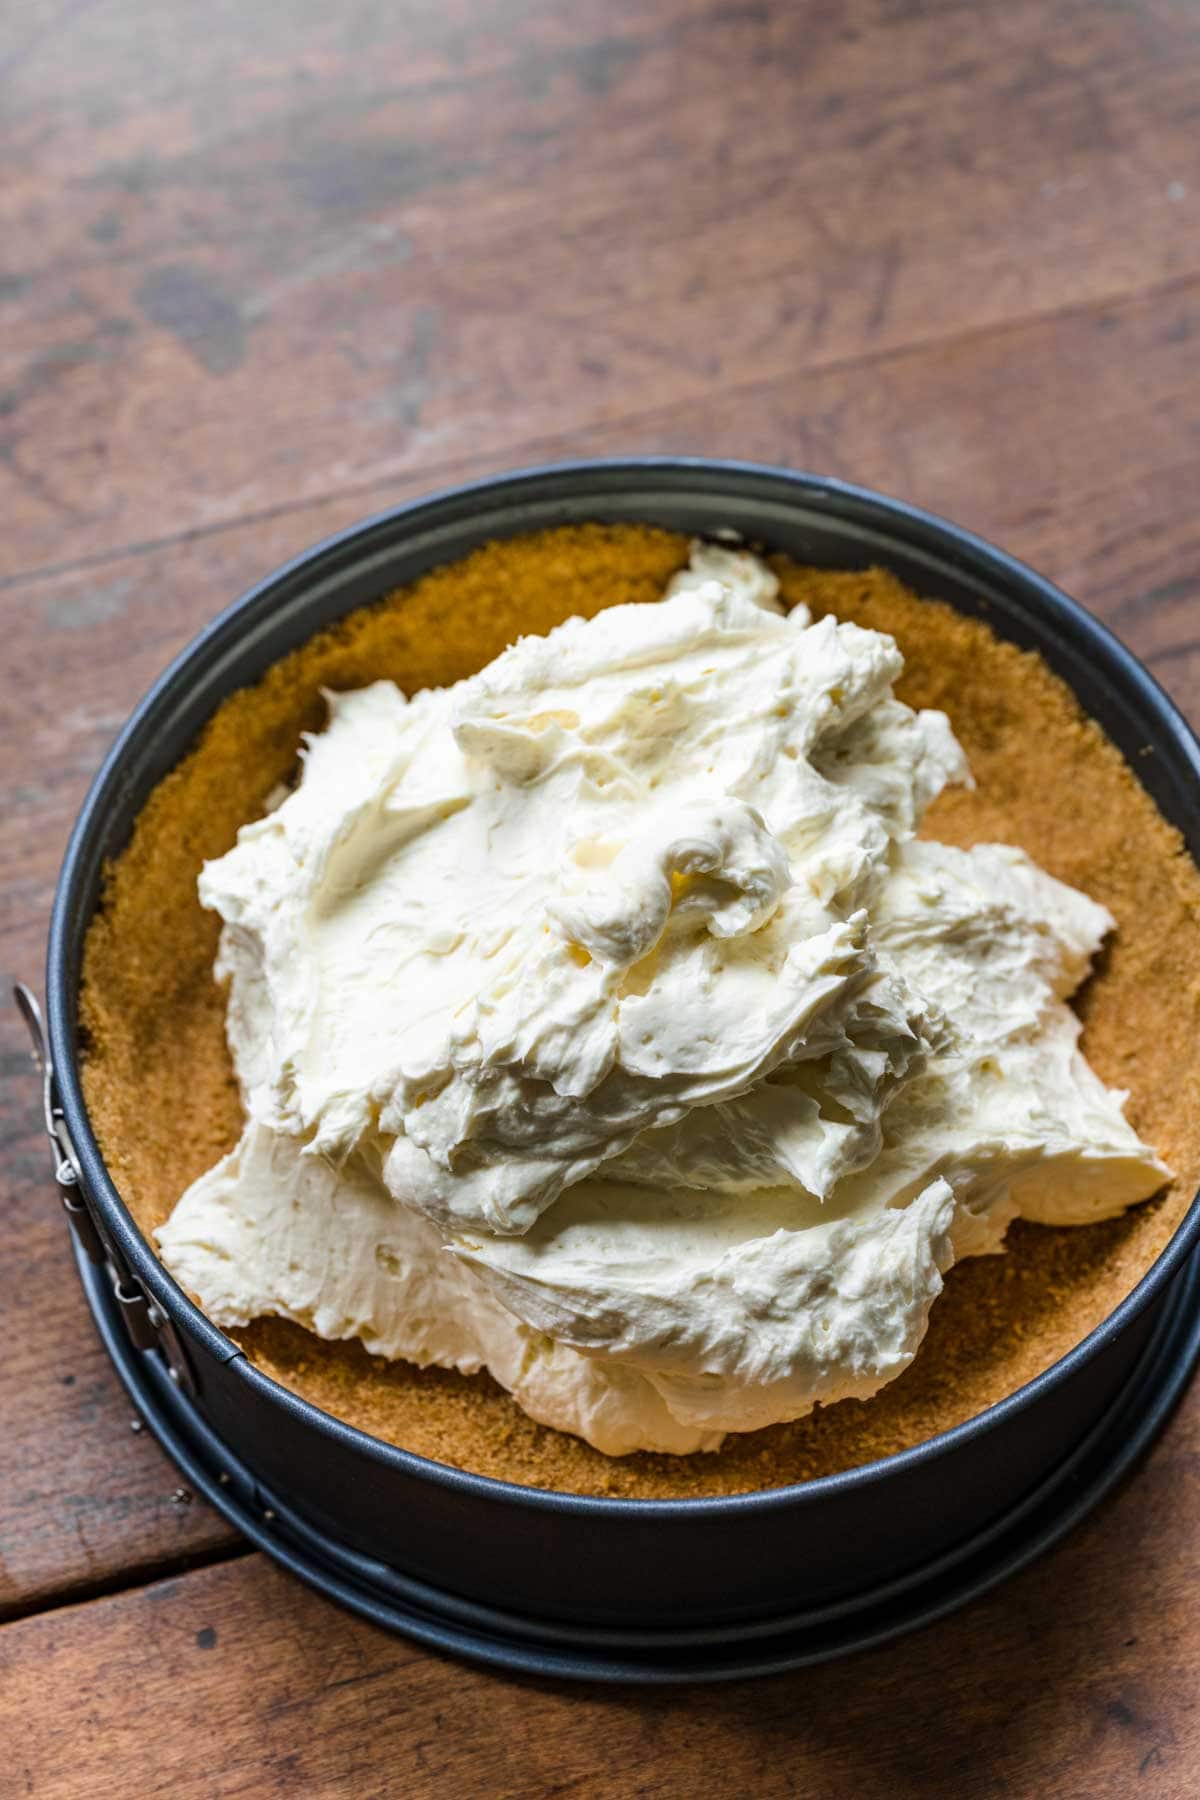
162, 1096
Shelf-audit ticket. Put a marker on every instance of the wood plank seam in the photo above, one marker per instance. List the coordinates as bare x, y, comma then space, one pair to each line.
434, 473
132, 1575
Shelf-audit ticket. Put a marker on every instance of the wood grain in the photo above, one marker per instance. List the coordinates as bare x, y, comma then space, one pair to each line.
367, 246
267, 269
1075, 1679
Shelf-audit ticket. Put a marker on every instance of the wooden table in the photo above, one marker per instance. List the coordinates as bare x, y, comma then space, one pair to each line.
268, 268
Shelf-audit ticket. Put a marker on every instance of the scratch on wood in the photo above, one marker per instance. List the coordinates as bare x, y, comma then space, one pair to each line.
334, 175
888, 270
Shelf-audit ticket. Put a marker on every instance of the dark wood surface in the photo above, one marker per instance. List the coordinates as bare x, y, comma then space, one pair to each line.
264, 269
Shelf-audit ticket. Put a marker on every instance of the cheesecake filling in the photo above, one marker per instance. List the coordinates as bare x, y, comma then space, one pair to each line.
601, 1022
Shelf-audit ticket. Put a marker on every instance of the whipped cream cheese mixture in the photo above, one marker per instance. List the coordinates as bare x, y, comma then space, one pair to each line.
601, 1022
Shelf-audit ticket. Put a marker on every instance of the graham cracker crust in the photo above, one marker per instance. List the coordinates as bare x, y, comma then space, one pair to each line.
160, 1088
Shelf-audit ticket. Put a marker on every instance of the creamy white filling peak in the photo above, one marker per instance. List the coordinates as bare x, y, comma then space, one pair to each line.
601, 1021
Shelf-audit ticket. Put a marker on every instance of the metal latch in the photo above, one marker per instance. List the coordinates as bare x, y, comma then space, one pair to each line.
66, 1169
148, 1326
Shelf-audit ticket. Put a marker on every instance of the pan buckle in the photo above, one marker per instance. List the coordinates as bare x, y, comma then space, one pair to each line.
147, 1325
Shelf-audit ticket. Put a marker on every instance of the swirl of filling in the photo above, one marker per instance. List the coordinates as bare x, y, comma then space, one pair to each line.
602, 1022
